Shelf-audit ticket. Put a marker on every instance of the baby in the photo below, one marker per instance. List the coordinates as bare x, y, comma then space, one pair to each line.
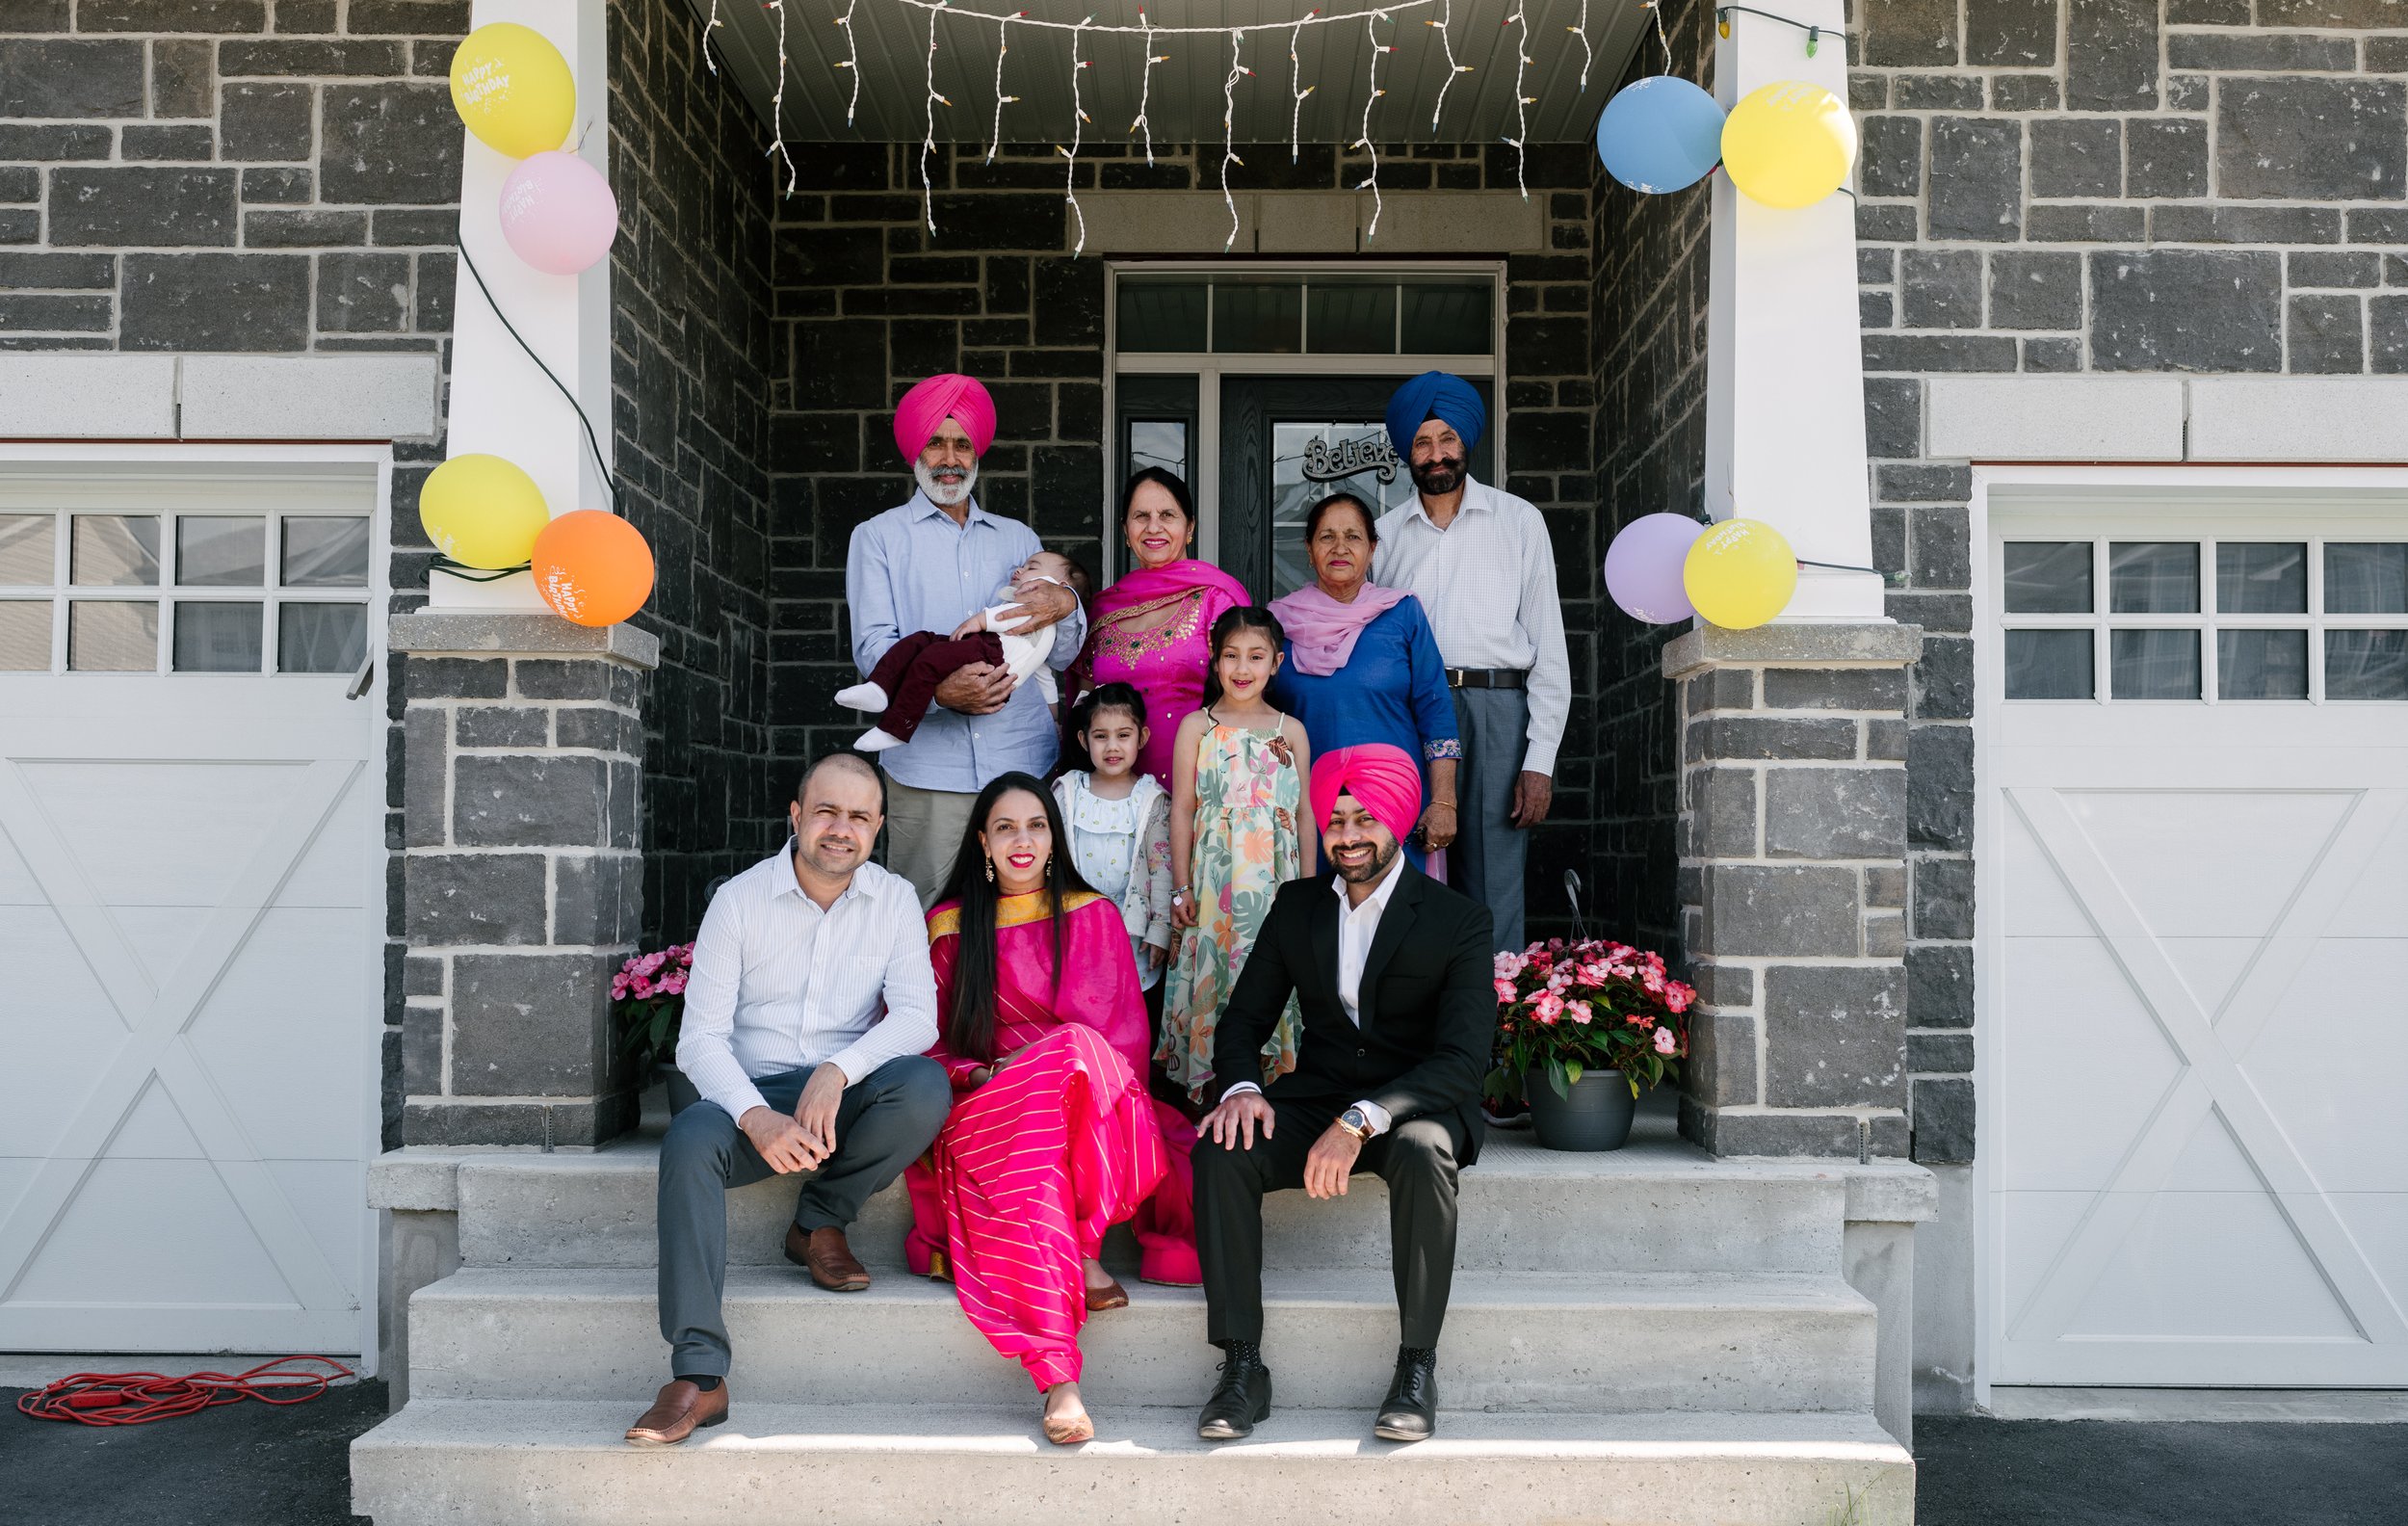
904, 680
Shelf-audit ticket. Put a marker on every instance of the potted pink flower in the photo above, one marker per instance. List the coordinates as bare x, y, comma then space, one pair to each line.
648, 1002
1581, 1027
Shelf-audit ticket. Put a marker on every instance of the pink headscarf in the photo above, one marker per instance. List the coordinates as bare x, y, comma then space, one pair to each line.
1322, 631
952, 395
1383, 780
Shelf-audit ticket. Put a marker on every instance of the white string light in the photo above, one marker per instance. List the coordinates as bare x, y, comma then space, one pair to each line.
1589, 55
1146, 87
1148, 29
1295, 77
709, 27
1364, 141
1521, 105
1229, 132
777, 101
1078, 130
1445, 20
1003, 45
852, 45
927, 142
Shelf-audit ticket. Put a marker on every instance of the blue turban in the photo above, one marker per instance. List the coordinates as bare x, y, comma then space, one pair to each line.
1435, 394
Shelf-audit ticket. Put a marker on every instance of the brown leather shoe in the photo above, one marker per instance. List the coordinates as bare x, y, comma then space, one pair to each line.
677, 1412
825, 1254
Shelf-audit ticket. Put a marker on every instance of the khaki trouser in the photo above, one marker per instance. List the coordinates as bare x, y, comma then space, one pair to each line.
924, 830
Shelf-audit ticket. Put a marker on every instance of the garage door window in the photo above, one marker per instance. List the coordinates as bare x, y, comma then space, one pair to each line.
183, 592
2205, 620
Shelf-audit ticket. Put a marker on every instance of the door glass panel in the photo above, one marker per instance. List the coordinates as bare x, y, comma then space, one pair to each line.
2155, 664
25, 550
1448, 318
2365, 665
109, 635
1158, 442
1160, 317
2048, 577
216, 638
2261, 664
116, 551
1309, 463
2049, 665
321, 638
1350, 319
2366, 578
1258, 318
2153, 577
326, 552
221, 553
25, 636
2262, 577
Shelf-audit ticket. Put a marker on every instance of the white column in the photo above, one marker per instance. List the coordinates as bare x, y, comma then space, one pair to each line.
1784, 413
501, 402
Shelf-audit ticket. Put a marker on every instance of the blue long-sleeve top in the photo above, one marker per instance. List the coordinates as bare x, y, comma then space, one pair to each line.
1393, 689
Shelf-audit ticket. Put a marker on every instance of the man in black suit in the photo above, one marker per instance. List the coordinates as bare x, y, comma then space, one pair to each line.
1394, 980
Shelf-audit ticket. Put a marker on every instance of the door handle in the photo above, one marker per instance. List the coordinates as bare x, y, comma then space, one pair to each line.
358, 685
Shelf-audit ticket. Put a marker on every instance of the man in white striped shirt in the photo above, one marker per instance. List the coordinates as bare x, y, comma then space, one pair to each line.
1483, 566
809, 1018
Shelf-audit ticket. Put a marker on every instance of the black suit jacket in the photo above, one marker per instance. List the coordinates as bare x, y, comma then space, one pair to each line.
1428, 1001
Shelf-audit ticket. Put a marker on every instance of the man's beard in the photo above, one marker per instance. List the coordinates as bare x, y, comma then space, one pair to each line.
1441, 475
945, 494
1379, 865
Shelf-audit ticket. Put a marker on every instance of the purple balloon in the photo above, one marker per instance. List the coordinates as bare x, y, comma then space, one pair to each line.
1643, 567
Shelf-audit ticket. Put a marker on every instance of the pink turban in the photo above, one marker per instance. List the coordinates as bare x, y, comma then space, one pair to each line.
933, 402
1384, 781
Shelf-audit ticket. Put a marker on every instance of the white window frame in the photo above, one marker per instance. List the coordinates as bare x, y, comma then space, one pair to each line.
374, 465
2378, 493
1209, 368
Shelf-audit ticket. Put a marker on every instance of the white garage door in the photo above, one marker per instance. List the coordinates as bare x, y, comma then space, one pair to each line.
2195, 944
190, 825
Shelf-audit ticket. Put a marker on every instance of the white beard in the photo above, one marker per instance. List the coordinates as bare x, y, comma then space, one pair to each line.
939, 493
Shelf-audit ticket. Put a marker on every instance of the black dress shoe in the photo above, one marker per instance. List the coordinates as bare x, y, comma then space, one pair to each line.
1410, 1411
1242, 1399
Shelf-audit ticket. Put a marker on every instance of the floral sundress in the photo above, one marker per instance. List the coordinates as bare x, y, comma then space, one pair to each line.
1247, 795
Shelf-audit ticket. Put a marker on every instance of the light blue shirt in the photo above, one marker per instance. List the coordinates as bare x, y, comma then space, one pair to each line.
912, 568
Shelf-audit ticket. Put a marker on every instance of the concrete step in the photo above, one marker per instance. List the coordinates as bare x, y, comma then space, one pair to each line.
553, 1463
1669, 1342
1655, 1206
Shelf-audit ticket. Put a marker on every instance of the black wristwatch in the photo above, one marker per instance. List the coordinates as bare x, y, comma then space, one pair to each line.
1355, 1121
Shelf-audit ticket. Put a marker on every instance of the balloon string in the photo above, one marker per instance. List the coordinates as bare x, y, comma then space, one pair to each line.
472, 574
609, 483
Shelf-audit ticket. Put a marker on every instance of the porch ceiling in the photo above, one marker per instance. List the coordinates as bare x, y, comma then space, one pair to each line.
1185, 103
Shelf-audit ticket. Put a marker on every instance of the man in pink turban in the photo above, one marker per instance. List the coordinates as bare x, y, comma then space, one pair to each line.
1393, 978
929, 564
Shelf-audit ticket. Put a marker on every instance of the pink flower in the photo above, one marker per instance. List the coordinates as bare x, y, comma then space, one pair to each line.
1579, 1010
649, 962
1504, 990
642, 986
674, 984
1652, 978
618, 986
1678, 996
1667, 1041
1510, 965
1547, 1007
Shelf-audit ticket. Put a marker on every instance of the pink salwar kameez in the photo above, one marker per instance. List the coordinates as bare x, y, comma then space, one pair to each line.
1034, 1167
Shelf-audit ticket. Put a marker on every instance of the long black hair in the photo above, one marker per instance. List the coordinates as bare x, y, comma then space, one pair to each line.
1237, 617
1107, 696
969, 1019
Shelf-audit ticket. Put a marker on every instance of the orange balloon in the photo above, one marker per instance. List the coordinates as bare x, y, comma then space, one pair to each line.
592, 568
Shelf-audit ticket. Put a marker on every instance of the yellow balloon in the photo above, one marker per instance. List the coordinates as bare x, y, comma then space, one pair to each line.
1789, 144
1739, 575
514, 89
483, 512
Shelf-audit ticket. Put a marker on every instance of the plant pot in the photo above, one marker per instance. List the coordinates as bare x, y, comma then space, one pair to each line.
1596, 1116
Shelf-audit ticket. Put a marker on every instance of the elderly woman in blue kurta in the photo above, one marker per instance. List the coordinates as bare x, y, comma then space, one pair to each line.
1362, 665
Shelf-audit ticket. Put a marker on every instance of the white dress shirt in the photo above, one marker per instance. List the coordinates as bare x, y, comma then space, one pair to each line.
778, 983
1358, 923
1493, 557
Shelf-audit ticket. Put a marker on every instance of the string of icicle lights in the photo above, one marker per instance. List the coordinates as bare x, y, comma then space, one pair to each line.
1148, 31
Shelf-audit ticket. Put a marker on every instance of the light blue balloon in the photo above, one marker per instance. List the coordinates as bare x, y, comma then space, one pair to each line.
1661, 134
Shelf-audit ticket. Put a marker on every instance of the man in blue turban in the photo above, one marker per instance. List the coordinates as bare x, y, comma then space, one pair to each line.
1482, 565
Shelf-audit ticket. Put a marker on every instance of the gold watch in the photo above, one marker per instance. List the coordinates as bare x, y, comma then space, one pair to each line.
1355, 1123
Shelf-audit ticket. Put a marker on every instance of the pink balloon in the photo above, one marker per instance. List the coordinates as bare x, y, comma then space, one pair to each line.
1643, 567
558, 213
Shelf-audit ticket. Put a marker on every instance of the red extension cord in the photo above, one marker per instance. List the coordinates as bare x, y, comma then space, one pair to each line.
123, 1399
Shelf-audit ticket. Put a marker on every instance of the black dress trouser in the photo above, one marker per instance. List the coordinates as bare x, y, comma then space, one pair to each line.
1417, 1159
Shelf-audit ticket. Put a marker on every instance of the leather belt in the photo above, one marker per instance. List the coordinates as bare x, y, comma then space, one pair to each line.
1488, 678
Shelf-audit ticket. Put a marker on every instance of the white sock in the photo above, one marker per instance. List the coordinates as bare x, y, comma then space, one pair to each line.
863, 695
875, 740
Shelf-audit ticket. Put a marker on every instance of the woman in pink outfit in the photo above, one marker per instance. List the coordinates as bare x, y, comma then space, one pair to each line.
1052, 1138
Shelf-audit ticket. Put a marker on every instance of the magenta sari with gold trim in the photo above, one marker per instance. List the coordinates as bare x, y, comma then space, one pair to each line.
1032, 1168
1166, 662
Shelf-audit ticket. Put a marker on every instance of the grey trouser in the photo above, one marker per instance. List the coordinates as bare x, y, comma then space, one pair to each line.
924, 830
885, 1120
1486, 861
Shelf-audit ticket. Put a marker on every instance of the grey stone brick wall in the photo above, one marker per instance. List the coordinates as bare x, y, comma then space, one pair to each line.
2201, 186
869, 302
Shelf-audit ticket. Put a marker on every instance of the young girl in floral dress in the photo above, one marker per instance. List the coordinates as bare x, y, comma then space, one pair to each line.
1238, 773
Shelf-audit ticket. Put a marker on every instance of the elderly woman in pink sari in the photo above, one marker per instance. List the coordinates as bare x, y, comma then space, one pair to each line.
1153, 627
1052, 1138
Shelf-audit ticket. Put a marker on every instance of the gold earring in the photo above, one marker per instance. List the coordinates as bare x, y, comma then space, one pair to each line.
990, 870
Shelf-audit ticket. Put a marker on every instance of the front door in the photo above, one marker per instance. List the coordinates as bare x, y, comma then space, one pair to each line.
1288, 442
